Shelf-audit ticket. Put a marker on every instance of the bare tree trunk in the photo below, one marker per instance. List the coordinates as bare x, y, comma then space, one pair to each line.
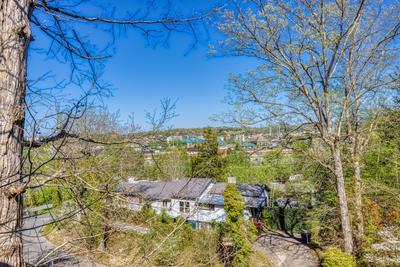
344, 210
356, 151
79, 205
106, 227
14, 41
358, 203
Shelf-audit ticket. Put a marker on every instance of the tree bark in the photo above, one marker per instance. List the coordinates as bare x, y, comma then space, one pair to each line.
341, 190
106, 227
356, 151
15, 36
358, 191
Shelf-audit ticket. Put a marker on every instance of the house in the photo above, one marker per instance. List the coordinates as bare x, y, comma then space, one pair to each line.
199, 200
164, 194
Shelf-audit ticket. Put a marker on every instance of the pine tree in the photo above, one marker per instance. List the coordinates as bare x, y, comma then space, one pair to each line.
207, 163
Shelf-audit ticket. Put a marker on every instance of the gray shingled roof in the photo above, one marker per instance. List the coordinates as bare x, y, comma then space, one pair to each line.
187, 188
218, 189
251, 192
191, 188
246, 190
218, 199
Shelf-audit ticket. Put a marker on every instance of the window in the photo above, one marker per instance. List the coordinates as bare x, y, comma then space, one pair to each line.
165, 204
184, 206
205, 206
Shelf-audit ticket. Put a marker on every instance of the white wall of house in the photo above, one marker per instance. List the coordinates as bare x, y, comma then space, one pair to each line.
190, 210
195, 212
201, 214
175, 209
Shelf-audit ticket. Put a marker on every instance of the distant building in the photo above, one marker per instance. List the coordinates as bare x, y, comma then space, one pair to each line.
194, 139
249, 145
174, 139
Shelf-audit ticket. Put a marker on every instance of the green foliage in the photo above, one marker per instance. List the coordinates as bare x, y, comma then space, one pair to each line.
238, 158
237, 164
233, 205
251, 230
278, 165
91, 226
146, 216
42, 196
335, 257
290, 220
174, 164
208, 163
200, 250
382, 159
164, 217
248, 174
243, 247
236, 227
381, 177
164, 239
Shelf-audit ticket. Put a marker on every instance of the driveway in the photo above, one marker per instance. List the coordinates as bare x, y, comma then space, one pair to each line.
285, 251
40, 252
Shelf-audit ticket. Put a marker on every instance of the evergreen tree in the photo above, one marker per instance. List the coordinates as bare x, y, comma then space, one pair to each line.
207, 163
235, 225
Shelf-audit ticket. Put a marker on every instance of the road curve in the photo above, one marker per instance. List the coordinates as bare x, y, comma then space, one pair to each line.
38, 251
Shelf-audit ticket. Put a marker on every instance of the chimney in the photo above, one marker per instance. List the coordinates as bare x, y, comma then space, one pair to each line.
231, 180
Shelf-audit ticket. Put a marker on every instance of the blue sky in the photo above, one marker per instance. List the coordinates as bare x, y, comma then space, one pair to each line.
143, 75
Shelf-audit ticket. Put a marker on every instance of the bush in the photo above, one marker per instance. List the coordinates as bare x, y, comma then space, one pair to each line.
236, 226
91, 229
201, 250
335, 257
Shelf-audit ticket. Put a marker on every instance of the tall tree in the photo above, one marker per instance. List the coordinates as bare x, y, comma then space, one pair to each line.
370, 78
174, 163
235, 225
207, 163
59, 25
303, 48
14, 41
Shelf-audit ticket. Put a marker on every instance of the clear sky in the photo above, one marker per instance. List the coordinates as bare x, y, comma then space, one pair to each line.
143, 75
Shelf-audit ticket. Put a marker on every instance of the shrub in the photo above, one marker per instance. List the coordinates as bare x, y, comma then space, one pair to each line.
236, 226
335, 257
251, 230
164, 217
201, 250
92, 229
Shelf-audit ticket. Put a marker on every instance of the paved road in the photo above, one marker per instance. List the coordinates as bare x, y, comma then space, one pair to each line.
285, 251
40, 252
